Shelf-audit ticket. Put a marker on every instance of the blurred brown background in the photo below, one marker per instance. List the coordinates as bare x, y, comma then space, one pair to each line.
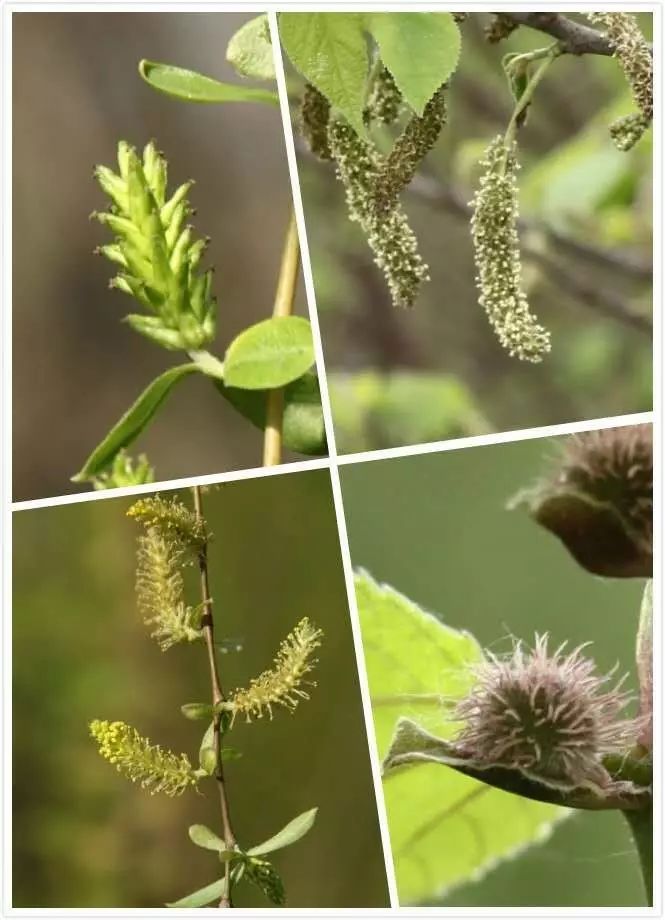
77, 367
84, 836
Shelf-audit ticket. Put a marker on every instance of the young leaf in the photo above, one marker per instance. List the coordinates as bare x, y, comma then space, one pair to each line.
202, 836
303, 429
207, 756
262, 874
269, 354
196, 711
445, 827
203, 896
293, 831
250, 51
195, 87
133, 421
421, 51
330, 51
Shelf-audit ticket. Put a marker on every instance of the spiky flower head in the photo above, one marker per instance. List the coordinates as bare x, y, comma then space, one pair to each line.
384, 101
154, 768
497, 255
281, 685
548, 714
419, 136
125, 472
156, 251
172, 518
314, 117
633, 53
390, 237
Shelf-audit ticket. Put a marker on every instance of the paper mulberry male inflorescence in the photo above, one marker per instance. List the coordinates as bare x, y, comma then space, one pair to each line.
156, 251
497, 255
384, 101
283, 684
389, 235
314, 117
634, 55
548, 714
154, 768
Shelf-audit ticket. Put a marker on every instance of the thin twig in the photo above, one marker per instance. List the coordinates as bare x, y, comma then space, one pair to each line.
284, 298
573, 37
217, 697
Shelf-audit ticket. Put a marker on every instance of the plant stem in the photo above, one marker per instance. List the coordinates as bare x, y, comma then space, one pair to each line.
641, 825
525, 99
284, 298
217, 697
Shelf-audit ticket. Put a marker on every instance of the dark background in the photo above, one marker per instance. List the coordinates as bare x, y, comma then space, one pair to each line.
77, 367
438, 371
84, 836
436, 529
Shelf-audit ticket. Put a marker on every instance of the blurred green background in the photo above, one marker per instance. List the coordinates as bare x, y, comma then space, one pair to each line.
404, 377
83, 836
436, 528
77, 92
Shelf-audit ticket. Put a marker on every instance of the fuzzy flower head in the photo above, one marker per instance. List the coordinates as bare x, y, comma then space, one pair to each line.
497, 256
154, 768
548, 714
284, 683
156, 251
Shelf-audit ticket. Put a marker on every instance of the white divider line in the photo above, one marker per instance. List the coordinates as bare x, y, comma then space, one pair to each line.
332, 454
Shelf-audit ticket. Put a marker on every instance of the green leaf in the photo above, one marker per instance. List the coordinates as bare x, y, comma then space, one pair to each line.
133, 421
330, 50
421, 50
293, 831
303, 429
207, 756
269, 354
250, 51
195, 87
203, 837
196, 711
445, 827
203, 896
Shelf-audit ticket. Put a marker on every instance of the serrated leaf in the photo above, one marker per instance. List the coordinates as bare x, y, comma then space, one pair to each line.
289, 834
203, 896
303, 429
421, 51
250, 51
203, 837
132, 423
195, 87
445, 827
269, 354
330, 51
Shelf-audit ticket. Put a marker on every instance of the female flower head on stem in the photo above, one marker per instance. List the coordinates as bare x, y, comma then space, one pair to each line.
497, 256
548, 714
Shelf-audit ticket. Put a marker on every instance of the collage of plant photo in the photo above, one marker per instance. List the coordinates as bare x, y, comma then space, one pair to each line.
331, 586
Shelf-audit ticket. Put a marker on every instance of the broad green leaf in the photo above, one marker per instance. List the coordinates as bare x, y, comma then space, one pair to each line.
203, 896
421, 50
330, 50
203, 837
133, 421
195, 87
303, 430
293, 831
250, 50
445, 827
269, 354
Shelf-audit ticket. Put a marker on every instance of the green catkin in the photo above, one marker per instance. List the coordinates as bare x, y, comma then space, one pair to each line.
263, 875
384, 102
390, 237
411, 147
633, 53
155, 769
497, 256
171, 518
124, 471
314, 117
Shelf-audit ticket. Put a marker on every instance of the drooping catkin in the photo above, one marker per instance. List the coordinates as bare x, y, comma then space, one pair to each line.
410, 148
171, 517
390, 237
497, 256
384, 101
150, 765
281, 685
314, 117
633, 53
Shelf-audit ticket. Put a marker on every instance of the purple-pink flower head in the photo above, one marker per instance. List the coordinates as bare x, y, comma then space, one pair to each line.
548, 714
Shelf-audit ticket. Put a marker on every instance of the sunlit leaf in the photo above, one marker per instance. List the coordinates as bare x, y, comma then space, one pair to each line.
269, 354
291, 832
195, 87
250, 51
